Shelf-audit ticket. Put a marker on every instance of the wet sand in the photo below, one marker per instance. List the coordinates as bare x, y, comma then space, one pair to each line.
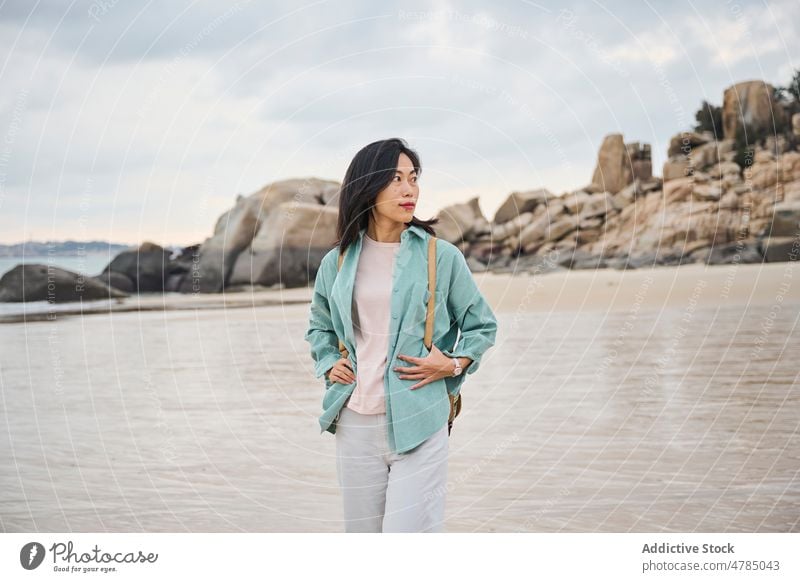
653, 400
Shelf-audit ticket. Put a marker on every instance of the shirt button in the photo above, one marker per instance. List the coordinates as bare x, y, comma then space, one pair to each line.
394, 316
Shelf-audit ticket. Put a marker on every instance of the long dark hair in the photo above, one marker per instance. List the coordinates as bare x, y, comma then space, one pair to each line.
371, 170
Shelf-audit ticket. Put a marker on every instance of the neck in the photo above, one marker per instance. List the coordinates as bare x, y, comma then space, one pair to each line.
386, 231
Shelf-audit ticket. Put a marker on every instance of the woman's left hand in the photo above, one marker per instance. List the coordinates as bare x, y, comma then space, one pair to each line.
432, 367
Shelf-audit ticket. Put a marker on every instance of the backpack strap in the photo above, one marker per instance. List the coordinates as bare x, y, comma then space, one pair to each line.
342, 349
432, 288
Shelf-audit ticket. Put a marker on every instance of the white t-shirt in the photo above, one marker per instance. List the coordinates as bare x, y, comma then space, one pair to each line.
372, 296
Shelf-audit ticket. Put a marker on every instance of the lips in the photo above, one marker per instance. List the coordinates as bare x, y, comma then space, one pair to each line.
408, 205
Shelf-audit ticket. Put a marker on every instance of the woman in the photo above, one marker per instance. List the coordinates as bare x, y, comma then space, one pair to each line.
387, 401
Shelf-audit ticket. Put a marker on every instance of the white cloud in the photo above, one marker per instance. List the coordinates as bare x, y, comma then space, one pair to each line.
510, 97
659, 46
736, 33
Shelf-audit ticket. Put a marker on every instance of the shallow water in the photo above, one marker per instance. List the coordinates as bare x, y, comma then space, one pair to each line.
643, 420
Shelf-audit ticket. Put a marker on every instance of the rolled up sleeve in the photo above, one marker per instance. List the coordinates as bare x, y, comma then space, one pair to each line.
320, 334
476, 322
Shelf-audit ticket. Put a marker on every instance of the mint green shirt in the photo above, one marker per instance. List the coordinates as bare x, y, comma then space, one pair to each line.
464, 326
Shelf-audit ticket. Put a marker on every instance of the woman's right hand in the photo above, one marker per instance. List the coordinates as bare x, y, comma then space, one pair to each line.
342, 372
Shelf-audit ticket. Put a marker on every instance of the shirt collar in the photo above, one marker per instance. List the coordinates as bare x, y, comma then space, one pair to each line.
417, 230
412, 228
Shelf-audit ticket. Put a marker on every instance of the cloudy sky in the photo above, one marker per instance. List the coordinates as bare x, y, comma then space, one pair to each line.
131, 121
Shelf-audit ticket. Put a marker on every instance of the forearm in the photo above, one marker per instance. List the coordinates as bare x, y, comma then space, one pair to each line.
477, 323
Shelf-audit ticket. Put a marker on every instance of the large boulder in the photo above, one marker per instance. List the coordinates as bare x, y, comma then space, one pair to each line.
719, 171
575, 201
303, 190
762, 174
459, 221
677, 167
789, 166
739, 252
142, 269
289, 246
706, 192
780, 249
685, 142
609, 173
618, 164
520, 202
547, 227
705, 155
678, 190
690, 152
641, 165
752, 103
512, 228
37, 282
786, 219
791, 192
634, 190
597, 205
236, 229
182, 267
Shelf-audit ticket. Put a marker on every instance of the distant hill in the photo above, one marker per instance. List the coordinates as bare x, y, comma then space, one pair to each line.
68, 248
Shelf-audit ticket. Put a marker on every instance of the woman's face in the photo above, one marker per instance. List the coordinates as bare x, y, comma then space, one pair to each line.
397, 201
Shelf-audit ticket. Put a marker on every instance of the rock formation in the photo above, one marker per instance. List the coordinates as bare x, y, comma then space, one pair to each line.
716, 203
619, 164
236, 230
52, 284
144, 269
752, 103
288, 246
706, 208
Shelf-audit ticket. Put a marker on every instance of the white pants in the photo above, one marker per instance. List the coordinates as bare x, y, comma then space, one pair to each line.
385, 491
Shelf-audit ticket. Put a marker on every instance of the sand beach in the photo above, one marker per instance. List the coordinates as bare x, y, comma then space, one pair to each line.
648, 400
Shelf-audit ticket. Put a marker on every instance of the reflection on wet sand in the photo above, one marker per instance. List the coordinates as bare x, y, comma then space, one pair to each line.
676, 417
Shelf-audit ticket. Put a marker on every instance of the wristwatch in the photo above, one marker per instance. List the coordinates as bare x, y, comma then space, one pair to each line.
458, 368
